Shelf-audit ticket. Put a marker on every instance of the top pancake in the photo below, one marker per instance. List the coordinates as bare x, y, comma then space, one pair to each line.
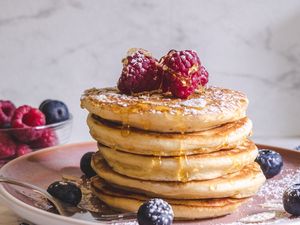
205, 109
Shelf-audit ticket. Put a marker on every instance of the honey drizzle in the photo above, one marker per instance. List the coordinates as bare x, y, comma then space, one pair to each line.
182, 173
156, 163
125, 130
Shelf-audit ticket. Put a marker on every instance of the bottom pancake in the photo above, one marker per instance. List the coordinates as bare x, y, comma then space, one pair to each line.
126, 201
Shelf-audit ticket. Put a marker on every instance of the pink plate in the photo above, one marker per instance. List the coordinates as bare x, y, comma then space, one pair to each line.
45, 166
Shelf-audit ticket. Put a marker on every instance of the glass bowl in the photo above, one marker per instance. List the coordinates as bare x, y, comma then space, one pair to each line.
15, 142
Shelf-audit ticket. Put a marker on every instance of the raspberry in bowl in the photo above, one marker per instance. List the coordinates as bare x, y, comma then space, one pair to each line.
25, 128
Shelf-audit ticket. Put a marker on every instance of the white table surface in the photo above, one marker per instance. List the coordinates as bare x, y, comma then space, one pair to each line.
7, 217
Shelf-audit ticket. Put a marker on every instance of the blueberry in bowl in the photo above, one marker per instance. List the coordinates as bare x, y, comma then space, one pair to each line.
43, 103
155, 212
270, 162
291, 200
55, 111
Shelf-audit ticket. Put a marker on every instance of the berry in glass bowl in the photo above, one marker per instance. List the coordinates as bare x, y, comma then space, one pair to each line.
25, 129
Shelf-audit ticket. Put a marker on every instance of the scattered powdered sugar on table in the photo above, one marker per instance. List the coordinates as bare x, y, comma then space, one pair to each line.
259, 217
133, 222
280, 221
272, 192
274, 188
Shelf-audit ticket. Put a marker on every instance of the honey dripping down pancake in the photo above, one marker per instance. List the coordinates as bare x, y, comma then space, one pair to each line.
205, 109
183, 168
241, 184
142, 142
127, 201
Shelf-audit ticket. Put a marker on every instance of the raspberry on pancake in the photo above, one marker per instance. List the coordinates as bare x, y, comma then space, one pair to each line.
182, 73
139, 73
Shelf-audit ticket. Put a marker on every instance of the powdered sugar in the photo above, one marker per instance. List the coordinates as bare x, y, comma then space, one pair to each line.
274, 188
271, 195
259, 217
132, 222
212, 100
199, 102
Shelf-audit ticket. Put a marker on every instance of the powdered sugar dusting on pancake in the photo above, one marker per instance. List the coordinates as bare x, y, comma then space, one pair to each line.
210, 100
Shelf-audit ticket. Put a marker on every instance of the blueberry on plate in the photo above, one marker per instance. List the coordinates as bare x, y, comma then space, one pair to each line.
55, 111
66, 192
85, 164
270, 162
297, 148
291, 200
155, 212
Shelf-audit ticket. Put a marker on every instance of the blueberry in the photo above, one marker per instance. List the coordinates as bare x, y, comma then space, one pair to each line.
270, 162
155, 212
85, 164
43, 103
297, 148
55, 111
66, 192
291, 200
6, 126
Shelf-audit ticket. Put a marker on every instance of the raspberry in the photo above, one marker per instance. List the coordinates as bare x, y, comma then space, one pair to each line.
47, 139
139, 73
27, 118
22, 149
7, 146
203, 76
7, 109
182, 73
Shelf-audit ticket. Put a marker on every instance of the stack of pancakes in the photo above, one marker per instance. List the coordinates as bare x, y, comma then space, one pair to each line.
193, 153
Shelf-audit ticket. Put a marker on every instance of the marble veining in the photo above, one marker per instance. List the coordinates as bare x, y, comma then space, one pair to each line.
58, 48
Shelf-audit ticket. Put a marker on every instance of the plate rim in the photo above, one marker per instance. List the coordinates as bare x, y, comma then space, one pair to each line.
13, 200
10, 199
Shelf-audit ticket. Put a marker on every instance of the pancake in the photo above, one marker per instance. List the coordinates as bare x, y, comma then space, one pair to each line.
241, 184
205, 109
127, 201
184, 168
169, 144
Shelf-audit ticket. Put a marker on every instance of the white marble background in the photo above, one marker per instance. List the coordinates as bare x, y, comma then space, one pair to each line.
58, 48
